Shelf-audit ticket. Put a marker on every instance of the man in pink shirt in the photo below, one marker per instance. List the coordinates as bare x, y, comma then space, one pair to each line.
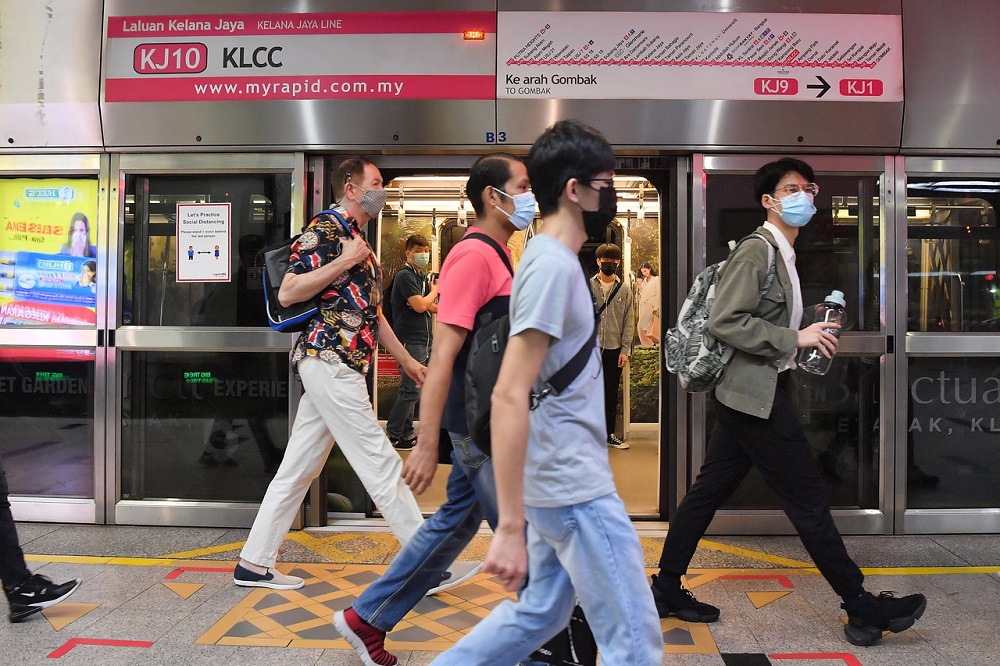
475, 281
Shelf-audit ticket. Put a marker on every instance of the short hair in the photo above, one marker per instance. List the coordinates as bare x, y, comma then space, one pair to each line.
568, 149
347, 170
489, 170
416, 240
646, 264
608, 251
769, 175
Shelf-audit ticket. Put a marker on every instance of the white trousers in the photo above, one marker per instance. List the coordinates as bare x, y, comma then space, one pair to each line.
335, 403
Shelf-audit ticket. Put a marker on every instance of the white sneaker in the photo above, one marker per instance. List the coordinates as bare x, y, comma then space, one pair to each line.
273, 579
457, 573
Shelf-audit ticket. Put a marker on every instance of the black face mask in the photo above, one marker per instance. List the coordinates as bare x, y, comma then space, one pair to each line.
596, 222
608, 267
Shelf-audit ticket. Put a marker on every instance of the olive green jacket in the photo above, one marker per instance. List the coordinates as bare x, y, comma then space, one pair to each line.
756, 327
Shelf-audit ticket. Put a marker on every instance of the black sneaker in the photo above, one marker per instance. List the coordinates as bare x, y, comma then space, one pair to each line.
403, 444
36, 593
883, 613
616, 443
681, 602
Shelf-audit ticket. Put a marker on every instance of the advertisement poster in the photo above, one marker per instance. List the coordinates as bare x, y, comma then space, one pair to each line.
203, 242
699, 55
48, 256
307, 56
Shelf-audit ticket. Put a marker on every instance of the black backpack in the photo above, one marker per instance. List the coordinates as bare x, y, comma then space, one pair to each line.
489, 340
295, 317
387, 299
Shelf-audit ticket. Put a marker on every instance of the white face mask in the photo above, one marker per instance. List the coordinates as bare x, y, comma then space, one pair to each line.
421, 259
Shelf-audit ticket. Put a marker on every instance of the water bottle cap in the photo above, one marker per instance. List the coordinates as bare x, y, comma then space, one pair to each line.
836, 297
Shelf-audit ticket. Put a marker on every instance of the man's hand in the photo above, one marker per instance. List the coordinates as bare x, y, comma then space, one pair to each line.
507, 557
815, 335
421, 463
622, 360
415, 371
355, 250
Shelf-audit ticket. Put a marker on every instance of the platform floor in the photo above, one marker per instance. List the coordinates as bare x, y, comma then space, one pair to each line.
165, 596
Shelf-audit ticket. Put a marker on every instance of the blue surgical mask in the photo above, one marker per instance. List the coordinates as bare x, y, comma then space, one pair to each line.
796, 209
524, 209
421, 259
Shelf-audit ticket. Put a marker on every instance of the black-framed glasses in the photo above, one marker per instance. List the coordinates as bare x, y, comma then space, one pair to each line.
812, 189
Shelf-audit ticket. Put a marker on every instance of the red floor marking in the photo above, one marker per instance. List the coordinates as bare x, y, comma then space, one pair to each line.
177, 572
781, 579
73, 642
846, 657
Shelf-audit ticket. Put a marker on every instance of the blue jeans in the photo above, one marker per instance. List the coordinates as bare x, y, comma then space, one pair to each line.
587, 551
399, 423
420, 564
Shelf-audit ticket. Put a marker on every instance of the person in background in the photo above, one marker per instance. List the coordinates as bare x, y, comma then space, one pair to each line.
414, 301
78, 238
27, 593
332, 357
615, 304
648, 325
757, 426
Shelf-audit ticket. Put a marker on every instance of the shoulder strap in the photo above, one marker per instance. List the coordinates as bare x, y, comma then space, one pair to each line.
610, 296
567, 374
495, 245
337, 216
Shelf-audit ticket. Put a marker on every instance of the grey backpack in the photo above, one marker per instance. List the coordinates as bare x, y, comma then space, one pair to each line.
692, 353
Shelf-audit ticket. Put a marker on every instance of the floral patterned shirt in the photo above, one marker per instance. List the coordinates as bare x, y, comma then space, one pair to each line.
346, 326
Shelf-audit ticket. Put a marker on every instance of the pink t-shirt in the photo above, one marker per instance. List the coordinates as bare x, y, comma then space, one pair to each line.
465, 286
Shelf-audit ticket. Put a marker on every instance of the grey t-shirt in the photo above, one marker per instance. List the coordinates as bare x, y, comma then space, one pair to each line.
567, 457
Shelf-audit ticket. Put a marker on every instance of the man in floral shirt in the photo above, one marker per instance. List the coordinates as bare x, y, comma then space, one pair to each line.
331, 357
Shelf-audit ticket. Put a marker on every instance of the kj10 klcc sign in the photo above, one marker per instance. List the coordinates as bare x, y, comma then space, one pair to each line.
310, 56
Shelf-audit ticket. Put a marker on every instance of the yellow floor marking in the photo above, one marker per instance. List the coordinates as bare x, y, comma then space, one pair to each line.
761, 599
755, 555
210, 550
62, 615
184, 590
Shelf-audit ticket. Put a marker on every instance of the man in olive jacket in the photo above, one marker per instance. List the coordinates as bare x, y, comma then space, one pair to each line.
756, 424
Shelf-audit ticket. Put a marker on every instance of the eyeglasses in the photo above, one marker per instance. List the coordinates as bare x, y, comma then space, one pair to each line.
811, 189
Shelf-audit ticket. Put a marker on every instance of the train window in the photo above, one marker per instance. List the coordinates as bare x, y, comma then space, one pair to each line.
952, 255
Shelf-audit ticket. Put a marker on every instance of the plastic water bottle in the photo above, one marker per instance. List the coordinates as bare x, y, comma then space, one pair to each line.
832, 309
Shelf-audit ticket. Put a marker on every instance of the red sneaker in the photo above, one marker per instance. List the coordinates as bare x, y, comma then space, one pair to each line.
366, 640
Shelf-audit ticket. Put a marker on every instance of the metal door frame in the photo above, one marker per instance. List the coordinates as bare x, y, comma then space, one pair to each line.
64, 509
169, 338
693, 257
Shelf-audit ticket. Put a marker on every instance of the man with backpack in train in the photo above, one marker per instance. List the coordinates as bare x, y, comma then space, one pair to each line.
475, 281
757, 312
561, 520
331, 261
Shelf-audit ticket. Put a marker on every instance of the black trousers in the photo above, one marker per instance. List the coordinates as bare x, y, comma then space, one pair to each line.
13, 570
780, 450
612, 378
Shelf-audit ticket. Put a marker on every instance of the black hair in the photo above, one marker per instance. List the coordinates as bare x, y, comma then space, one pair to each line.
347, 170
769, 175
608, 251
568, 149
416, 240
491, 170
646, 264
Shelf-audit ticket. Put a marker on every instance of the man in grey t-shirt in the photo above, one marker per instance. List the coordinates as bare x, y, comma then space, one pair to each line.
561, 520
